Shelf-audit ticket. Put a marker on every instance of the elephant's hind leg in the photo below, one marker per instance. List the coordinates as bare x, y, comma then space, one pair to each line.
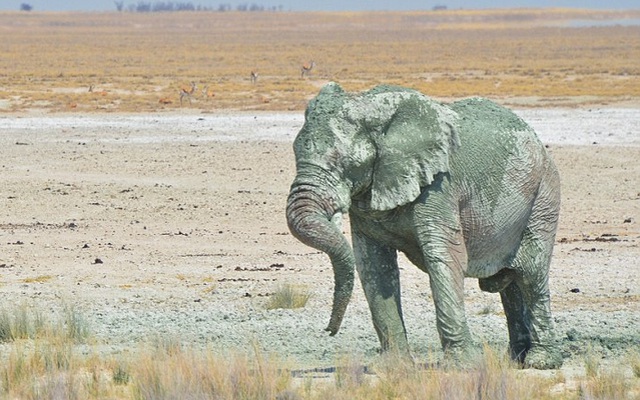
527, 306
530, 306
518, 321
515, 309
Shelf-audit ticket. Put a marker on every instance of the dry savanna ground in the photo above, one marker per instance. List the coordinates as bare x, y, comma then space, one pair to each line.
139, 62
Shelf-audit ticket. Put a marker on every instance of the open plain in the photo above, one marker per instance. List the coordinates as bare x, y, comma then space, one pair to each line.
160, 220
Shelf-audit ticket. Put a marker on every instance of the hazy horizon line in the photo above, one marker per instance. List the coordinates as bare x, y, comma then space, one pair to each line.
325, 11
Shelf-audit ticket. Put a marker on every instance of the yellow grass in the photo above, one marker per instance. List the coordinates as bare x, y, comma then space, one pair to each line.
132, 61
44, 358
51, 368
38, 279
289, 297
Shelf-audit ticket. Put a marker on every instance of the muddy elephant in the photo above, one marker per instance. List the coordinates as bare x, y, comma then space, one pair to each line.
463, 190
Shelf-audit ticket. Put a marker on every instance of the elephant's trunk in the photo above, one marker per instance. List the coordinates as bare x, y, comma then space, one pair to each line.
309, 217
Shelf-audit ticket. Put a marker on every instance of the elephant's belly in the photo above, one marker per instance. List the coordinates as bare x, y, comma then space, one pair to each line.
486, 267
492, 247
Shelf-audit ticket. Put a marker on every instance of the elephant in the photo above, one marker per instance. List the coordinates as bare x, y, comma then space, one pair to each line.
464, 189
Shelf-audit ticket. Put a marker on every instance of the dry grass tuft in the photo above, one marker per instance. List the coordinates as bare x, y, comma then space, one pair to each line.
38, 279
634, 361
592, 363
25, 322
608, 385
288, 297
189, 374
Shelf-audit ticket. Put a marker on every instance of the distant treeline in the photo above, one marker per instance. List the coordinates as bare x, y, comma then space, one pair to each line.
168, 6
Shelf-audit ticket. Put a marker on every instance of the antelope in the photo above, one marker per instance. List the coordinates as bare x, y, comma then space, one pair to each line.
306, 68
206, 92
254, 77
100, 92
96, 93
184, 92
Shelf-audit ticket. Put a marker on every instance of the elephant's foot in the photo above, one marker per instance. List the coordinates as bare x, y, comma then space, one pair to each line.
462, 356
518, 351
396, 358
396, 353
543, 357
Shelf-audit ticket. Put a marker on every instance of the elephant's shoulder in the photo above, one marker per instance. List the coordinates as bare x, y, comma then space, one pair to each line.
382, 89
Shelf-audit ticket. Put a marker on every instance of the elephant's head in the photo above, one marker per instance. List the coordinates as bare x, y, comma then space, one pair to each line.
381, 147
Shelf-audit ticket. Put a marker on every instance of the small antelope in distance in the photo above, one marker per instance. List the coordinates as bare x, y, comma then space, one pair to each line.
187, 92
207, 93
101, 92
96, 94
306, 68
254, 76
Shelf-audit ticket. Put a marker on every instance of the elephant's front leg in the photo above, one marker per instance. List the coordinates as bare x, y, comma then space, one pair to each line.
377, 267
445, 259
447, 284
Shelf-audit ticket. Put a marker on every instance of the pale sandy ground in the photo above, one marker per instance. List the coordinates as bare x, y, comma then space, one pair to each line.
186, 213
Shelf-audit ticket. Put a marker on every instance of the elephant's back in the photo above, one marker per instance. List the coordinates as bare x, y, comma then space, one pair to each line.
479, 117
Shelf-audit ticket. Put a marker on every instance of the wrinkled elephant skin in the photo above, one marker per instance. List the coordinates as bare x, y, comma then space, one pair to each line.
463, 190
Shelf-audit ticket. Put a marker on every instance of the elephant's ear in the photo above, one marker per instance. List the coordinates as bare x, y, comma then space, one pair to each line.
412, 147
